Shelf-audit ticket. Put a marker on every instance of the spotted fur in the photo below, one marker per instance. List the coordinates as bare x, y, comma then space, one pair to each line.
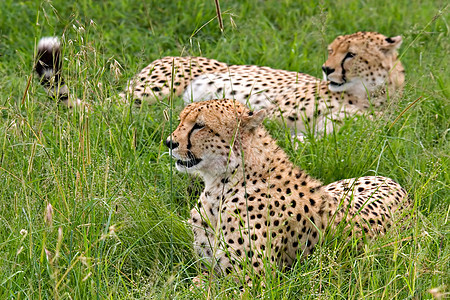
256, 205
360, 68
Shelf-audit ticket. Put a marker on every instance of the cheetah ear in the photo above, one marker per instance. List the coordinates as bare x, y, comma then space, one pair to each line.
253, 119
391, 44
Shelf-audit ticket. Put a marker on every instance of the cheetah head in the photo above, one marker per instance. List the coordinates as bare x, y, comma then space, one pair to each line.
207, 139
363, 62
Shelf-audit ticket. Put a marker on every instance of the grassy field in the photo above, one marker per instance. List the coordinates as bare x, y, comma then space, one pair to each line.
117, 225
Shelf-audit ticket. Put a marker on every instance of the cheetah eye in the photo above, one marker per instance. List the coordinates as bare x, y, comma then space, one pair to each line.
197, 126
349, 55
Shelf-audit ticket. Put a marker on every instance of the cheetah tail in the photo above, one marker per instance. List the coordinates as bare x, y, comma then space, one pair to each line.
48, 67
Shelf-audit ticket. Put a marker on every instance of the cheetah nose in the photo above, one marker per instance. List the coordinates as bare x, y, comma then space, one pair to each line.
327, 70
171, 144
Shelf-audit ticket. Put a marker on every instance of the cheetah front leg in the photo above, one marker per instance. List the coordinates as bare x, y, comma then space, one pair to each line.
225, 248
333, 120
206, 245
209, 243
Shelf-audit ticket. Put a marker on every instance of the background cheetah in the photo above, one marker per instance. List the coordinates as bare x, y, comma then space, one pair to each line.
360, 68
256, 204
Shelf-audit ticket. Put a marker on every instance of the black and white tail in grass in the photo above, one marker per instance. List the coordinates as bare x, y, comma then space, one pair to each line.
48, 67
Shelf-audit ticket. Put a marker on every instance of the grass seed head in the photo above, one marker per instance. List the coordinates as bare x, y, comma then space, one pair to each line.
48, 215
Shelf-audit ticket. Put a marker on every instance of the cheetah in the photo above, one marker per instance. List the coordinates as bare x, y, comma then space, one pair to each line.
361, 73
258, 207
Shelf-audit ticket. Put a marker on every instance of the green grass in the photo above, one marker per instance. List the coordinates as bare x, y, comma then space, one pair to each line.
118, 225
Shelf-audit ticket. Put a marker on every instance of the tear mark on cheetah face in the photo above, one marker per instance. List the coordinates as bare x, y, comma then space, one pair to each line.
362, 62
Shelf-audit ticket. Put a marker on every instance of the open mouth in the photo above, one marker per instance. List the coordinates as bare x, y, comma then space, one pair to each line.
337, 84
189, 163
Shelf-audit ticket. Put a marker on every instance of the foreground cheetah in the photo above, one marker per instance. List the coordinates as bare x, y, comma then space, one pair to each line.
362, 70
256, 205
